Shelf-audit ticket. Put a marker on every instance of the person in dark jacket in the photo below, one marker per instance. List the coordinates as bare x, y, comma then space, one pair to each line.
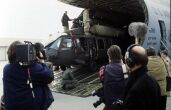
65, 20
18, 94
68, 81
142, 92
113, 77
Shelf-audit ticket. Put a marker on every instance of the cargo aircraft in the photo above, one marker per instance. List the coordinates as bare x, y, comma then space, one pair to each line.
105, 22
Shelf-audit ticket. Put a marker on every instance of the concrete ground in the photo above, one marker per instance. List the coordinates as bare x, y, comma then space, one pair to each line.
168, 106
67, 102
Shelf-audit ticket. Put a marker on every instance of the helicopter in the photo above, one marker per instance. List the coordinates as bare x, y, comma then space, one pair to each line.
81, 50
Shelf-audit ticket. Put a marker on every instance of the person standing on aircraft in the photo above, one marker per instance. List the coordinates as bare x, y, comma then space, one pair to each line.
112, 77
142, 92
18, 93
158, 70
65, 20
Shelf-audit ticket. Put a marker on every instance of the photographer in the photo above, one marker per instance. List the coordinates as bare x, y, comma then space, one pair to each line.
25, 87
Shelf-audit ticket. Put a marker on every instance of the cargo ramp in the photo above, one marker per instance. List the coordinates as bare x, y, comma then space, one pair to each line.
87, 82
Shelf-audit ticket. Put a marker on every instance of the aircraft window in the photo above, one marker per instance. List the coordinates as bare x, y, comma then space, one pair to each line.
56, 44
100, 44
66, 43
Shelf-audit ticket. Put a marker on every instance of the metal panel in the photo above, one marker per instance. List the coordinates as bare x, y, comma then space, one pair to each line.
132, 7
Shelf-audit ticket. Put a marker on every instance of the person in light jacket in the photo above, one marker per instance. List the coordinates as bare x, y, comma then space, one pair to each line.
157, 69
167, 61
64, 21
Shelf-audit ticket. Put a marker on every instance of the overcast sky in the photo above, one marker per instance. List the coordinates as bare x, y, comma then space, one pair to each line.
34, 18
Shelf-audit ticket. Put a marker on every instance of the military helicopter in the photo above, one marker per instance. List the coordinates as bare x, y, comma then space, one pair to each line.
106, 23
81, 49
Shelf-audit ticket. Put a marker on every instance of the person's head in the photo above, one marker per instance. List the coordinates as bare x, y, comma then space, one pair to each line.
151, 51
66, 12
39, 47
114, 54
11, 52
164, 53
136, 56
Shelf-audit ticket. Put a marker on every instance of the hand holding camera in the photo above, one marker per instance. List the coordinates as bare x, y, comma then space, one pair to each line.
40, 57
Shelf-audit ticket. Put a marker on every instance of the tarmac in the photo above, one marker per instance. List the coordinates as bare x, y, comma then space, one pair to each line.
168, 106
68, 102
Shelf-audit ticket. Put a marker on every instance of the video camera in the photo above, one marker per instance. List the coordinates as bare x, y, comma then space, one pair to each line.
25, 53
100, 94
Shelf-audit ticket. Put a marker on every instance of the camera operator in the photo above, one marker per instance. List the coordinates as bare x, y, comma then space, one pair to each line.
25, 87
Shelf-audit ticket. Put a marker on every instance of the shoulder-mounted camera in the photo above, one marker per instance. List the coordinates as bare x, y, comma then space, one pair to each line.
25, 53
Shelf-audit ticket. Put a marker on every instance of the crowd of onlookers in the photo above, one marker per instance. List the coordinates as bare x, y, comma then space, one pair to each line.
149, 74
145, 88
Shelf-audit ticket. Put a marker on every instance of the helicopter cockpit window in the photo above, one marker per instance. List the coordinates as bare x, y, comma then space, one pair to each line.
56, 44
66, 43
